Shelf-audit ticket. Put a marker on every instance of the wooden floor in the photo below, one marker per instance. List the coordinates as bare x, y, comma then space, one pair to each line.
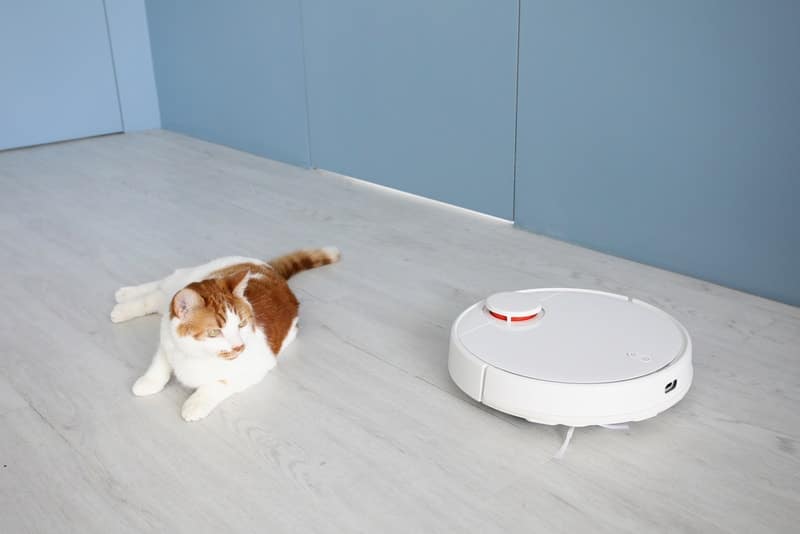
359, 428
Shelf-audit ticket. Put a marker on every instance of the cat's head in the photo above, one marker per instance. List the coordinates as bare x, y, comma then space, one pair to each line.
211, 316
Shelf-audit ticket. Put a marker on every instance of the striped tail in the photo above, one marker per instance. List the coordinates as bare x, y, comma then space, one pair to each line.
301, 260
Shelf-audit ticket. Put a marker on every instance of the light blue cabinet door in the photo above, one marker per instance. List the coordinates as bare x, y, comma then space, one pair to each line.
56, 74
416, 94
667, 132
231, 72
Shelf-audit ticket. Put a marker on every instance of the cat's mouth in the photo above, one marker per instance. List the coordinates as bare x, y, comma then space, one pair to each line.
231, 354
228, 354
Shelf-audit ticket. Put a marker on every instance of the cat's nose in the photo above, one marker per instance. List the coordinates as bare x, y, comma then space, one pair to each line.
238, 348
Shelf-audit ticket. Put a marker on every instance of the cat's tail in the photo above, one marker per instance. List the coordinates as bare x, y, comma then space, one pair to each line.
301, 260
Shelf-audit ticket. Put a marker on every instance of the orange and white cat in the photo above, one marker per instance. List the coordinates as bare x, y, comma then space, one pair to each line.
224, 324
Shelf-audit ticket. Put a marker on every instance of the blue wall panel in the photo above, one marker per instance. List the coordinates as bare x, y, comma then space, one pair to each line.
666, 132
133, 64
56, 74
416, 95
232, 73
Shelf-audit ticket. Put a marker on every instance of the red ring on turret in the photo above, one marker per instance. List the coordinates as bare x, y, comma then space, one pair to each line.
512, 319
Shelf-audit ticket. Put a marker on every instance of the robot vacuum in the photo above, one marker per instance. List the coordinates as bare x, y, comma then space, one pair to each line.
571, 357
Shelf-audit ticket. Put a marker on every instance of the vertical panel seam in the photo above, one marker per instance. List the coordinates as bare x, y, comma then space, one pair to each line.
114, 66
305, 82
516, 118
152, 63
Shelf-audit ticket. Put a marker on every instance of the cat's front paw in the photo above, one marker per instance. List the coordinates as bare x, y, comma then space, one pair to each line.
197, 407
146, 386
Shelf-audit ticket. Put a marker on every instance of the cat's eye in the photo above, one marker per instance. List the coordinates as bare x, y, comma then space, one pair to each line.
214, 332
242, 323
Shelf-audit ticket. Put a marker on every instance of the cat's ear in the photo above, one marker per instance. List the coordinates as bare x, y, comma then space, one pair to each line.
184, 301
237, 284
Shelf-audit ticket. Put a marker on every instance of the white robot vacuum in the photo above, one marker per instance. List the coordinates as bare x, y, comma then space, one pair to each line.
571, 357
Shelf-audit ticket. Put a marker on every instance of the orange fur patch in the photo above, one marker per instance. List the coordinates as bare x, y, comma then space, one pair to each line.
274, 306
268, 302
217, 296
301, 260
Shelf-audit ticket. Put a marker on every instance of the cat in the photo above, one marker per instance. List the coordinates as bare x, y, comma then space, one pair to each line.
224, 324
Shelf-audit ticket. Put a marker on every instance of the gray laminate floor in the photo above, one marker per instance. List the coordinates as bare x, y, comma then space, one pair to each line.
359, 429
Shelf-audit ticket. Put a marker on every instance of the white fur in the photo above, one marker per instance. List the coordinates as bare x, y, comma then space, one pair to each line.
333, 253
197, 364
